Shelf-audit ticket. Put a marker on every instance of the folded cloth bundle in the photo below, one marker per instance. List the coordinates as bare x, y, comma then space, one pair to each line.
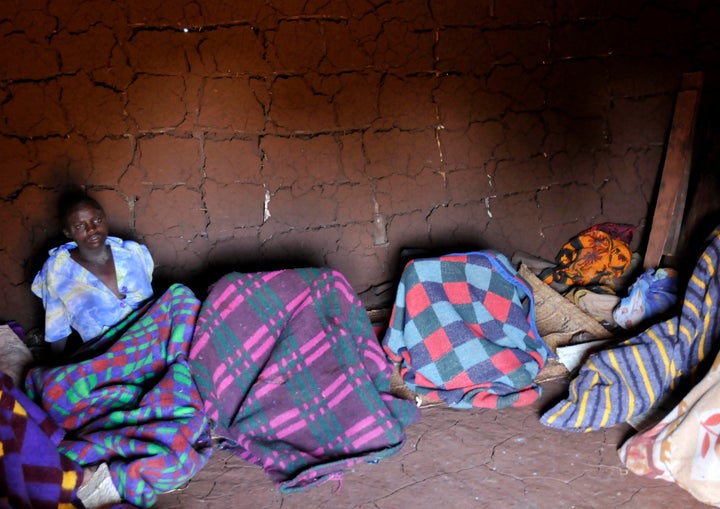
15, 356
598, 305
683, 447
596, 256
651, 295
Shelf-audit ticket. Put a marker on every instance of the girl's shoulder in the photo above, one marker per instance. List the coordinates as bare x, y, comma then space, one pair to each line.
129, 249
58, 264
60, 254
130, 245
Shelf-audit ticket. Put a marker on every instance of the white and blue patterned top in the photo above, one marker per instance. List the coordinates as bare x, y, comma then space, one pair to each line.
74, 297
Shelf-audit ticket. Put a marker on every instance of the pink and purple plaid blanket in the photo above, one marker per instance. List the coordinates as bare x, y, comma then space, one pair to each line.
293, 376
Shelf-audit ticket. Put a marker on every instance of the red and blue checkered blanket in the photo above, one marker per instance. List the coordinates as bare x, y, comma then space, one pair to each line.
130, 401
293, 376
463, 331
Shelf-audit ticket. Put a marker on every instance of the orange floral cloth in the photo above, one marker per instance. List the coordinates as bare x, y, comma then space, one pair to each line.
596, 256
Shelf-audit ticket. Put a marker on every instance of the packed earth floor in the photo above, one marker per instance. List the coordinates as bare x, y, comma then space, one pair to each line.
458, 459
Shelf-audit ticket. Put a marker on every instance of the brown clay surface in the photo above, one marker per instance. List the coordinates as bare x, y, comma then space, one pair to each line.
457, 459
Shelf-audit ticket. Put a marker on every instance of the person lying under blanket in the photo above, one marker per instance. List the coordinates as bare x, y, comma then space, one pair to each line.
462, 331
293, 376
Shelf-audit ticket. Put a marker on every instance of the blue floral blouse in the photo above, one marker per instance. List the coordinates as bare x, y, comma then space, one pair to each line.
74, 298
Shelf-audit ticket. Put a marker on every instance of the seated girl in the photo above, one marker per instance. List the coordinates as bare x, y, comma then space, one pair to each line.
94, 281
128, 411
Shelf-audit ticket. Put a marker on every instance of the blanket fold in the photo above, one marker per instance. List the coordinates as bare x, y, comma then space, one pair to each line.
293, 376
130, 401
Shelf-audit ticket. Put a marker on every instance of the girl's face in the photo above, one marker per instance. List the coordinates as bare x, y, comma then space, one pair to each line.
86, 225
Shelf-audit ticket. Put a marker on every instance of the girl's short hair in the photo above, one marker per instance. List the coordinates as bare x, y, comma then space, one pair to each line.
70, 200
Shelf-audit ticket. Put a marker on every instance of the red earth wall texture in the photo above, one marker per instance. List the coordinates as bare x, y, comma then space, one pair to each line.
244, 135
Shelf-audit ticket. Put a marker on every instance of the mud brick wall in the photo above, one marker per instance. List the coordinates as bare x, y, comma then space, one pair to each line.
241, 135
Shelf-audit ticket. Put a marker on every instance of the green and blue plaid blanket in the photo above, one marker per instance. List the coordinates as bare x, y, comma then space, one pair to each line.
129, 400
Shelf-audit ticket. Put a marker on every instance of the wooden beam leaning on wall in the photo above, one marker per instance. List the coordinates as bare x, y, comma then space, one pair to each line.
672, 194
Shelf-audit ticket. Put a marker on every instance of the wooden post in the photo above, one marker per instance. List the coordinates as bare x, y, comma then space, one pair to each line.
670, 206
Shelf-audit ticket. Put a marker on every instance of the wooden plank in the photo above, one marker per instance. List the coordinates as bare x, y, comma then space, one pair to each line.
670, 205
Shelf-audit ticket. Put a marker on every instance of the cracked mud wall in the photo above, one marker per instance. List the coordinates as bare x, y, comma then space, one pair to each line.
242, 135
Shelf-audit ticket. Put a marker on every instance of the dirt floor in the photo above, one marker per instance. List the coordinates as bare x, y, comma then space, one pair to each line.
456, 459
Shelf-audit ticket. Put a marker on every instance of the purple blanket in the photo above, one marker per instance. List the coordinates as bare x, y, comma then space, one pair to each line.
33, 473
293, 376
